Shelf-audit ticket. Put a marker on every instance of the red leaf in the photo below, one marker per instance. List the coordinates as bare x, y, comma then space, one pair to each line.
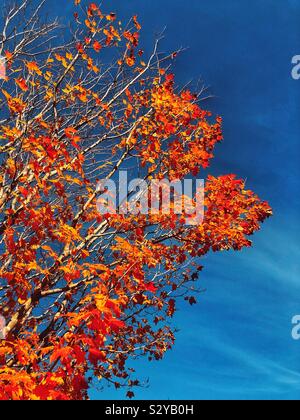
22, 84
24, 192
130, 394
97, 46
95, 356
150, 287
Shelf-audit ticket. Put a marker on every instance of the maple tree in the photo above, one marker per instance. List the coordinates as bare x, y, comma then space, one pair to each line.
83, 293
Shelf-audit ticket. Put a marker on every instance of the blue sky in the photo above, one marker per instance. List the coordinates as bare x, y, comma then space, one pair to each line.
236, 343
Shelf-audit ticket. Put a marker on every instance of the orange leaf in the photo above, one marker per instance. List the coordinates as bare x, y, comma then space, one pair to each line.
22, 84
33, 67
97, 46
70, 132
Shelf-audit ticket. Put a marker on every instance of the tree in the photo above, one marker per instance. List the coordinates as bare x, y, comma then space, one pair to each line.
83, 292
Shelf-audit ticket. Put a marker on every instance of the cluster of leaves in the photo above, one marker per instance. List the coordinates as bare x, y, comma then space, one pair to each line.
82, 292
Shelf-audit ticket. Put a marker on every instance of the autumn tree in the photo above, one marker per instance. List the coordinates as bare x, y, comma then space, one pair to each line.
82, 292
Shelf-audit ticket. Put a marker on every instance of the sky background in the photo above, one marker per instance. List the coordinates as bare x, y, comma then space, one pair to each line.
236, 343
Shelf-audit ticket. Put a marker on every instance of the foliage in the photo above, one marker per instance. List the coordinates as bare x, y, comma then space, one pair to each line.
83, 293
